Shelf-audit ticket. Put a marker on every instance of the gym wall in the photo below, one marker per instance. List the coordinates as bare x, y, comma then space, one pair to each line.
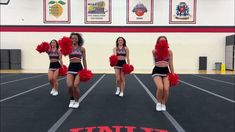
22, 27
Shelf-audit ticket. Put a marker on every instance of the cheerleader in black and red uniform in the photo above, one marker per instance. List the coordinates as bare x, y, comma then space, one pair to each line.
73, 81
55, 63
122, 53
163, 57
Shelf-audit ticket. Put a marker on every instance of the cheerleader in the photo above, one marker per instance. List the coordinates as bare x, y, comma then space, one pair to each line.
55, 63
122, 53
163, 58
77, 56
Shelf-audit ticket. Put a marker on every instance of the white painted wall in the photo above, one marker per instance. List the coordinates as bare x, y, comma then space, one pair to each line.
187, 47
30, 12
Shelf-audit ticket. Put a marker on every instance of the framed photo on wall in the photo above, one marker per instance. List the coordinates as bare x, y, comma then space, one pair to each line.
98, 11
56, 11
182, 11
139, 11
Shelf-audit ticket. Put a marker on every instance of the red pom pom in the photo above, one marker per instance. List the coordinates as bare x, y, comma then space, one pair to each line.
113, 60
43, 47
162, 49
65, 45
63, 70
127, 69
173, 78
85, 75
131, 68
39, 48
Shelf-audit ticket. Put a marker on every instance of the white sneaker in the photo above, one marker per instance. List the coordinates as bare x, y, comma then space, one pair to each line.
121, 94
118, 91
52, 91
75, 105
71, 103
55, 93
158, 107
163, 107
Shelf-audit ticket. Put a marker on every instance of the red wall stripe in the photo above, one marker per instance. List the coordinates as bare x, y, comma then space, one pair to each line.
115, 29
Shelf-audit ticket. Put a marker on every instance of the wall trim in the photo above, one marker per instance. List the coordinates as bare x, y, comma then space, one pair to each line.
127, 29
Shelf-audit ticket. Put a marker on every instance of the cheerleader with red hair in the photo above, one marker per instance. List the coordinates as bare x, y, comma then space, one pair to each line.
77, 56
56, 62
163, 58
122, 53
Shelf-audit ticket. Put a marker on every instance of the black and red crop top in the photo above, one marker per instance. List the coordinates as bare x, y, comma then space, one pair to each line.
76, 54
121, 52
165, 59
53, 55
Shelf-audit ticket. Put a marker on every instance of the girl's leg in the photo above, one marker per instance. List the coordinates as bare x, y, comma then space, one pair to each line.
123, 82
50, 79
166, 86
70, 80
118, 80
76, 91
55, 78
77, 88
159, 91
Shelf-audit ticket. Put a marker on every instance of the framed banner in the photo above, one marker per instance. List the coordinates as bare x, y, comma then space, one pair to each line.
139, 11
97, 11
56, 11
182, 11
